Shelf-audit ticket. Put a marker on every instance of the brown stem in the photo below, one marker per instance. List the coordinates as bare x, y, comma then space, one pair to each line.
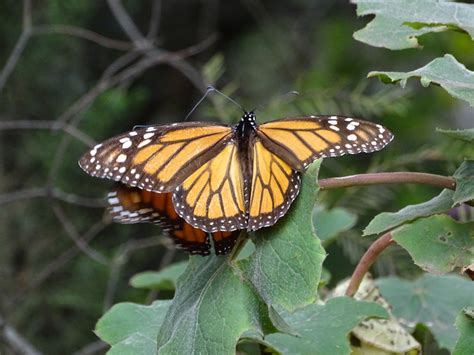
366, 261
388, 178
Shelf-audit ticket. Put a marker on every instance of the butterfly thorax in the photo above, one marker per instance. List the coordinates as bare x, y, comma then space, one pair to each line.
244, 132
246, 126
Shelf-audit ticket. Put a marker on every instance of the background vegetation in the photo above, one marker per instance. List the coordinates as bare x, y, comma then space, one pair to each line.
78, 72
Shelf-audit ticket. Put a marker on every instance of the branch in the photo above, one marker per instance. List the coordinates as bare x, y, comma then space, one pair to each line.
55, 193
155, 17
128, 26
68, 255
50, 125
84, 34
19, 46
16, 342
96, 347
81, 244
388, 178
366, 261
121, 258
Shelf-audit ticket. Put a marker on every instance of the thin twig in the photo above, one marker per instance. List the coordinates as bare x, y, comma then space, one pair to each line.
388, 178
15, 340
119, 63
96, 347
366, 261
55, 193
165, 261
19, 46
84, 34
155, 18
72, 232
128, 26
121, 258
49, 125
68, 255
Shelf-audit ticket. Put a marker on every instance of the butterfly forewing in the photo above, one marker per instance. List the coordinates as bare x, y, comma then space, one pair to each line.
156, 158
275, 186
212, 198
133, 205
300, 141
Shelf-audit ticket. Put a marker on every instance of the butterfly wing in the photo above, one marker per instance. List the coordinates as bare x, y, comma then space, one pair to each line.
157, 158
133, 205
212, 198
275, 185
300, 141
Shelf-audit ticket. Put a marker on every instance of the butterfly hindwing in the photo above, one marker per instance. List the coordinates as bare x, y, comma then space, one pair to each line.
212, 198
157, 158
300, 141
133, 205
275, 185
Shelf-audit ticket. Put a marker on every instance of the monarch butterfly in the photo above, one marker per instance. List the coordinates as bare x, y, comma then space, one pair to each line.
227, 178
133, 205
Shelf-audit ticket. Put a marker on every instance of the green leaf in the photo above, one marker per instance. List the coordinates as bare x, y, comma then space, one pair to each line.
286, 266
438, 244
397, 24
211, 309
132, 328
330, 223
465, 325
432, 300
379, 335
464, 177
323, 329
325, 277
446, 71
159, 280
388, 220
462, 134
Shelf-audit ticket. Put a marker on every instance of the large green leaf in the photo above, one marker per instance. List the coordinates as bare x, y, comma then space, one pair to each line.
132, 328
446, 71
397, 24
330, 223
432, 300
159, 280
465, 325
438, 244
464, 182
462, 134
388, 220
286, 266
323, 329
213, 306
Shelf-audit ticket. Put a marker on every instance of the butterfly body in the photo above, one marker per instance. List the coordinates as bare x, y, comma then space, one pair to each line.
227, 178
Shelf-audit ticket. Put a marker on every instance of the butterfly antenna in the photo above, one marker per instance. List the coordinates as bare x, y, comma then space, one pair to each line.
285, 96
227, 97
289, 94
208, 91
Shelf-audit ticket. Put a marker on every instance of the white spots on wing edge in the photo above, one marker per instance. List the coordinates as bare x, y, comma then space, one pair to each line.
121, 158
144, 143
